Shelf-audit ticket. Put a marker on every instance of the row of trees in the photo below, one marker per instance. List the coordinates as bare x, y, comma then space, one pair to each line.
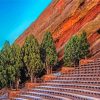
76, 49
30, 60
31, 56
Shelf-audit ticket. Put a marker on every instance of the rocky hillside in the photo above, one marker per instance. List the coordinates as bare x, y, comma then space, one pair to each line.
64, 18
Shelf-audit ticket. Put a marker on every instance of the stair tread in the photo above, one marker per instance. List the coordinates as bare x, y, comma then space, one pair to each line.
71, 89
32, 97
78, 95
77, 77
20, 99
72, 84
49, 95
73, 80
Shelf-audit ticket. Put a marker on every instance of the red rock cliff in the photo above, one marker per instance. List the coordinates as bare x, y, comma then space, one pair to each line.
64, 18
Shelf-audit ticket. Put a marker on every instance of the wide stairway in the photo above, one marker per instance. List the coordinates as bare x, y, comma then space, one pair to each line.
81, 84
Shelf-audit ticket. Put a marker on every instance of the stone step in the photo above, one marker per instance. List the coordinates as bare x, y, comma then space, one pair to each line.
44, 95
57, 80
75, 81
93, 69
77, 78
65, 95
94, 62
91, 65
82, 68
88, 70
85, 72
19, 99
80, 86
30, 97
60, 77
80, 74
71, 90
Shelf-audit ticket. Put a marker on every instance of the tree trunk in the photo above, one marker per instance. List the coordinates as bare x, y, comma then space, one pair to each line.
47, 68
10, 85
17, 83
31, 78
50, 69
34, 79
85, 57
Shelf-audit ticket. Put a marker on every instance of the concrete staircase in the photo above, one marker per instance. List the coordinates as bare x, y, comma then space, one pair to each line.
81, 84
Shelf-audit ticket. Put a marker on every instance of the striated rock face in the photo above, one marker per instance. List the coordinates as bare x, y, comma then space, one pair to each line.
64, 18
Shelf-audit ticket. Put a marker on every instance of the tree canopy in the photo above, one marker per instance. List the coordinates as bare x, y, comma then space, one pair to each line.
77, 48
32, 59
7, 63
83, 46
50, 58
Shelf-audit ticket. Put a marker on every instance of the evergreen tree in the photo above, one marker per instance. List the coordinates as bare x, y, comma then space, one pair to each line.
32, 59
24, 72
67, 54
83, 46
3, 81
7, 59
76, 49
71, 52
16, 62
50, 58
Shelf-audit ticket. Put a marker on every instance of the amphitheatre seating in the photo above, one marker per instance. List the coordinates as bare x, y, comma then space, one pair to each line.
81, 84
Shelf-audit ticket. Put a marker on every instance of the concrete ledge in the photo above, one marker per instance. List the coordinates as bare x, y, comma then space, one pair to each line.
13, 93
66, 70
48, 77
85, 61
31, 85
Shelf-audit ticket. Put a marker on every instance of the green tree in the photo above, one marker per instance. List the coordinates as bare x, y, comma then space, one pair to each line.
7, 59
50, 58
76, 49
67, 54
3, 81
31, 52
71, 52
83, 46
16, 62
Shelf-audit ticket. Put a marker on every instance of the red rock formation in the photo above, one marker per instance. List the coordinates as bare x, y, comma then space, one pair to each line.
64, 18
